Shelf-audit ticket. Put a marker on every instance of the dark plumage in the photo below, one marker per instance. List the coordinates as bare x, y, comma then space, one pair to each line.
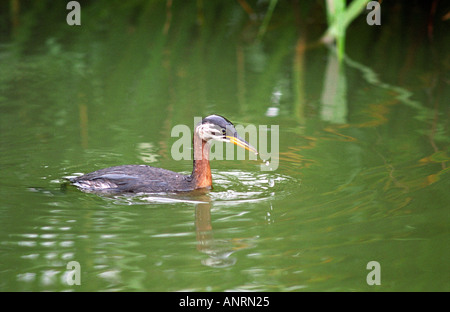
134, 178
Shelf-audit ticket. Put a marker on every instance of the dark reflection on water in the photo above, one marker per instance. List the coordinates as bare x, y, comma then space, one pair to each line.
219, 252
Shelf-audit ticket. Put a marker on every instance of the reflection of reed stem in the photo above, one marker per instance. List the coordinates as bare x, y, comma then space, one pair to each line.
240, 80
84, 125
168, 17
298, 80
267, 17
200, 14
247, 8
14, 11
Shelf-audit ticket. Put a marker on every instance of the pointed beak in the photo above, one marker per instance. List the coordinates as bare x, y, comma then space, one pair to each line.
237, 140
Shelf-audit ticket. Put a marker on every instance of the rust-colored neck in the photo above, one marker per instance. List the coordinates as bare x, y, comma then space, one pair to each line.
201, 173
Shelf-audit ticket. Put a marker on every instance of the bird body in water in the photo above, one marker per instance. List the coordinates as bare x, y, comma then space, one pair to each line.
148, 179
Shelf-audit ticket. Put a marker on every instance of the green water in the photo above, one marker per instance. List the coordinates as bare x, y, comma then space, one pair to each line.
363, 164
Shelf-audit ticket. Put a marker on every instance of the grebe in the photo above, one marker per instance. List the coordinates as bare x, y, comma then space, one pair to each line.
147, 179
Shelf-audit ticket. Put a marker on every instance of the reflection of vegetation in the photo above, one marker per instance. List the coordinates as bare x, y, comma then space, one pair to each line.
266, 20
334, 96
138, 51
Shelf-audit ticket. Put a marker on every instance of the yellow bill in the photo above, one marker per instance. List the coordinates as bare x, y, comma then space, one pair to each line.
242, 143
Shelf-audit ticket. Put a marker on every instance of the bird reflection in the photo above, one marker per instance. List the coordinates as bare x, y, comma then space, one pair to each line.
219, 251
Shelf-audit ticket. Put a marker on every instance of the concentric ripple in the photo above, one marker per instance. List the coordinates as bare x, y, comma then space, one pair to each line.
236, 185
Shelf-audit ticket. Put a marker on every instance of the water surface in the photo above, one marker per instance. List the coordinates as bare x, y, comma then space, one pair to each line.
363, 166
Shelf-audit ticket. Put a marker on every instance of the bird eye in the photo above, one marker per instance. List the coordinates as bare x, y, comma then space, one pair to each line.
224, 131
